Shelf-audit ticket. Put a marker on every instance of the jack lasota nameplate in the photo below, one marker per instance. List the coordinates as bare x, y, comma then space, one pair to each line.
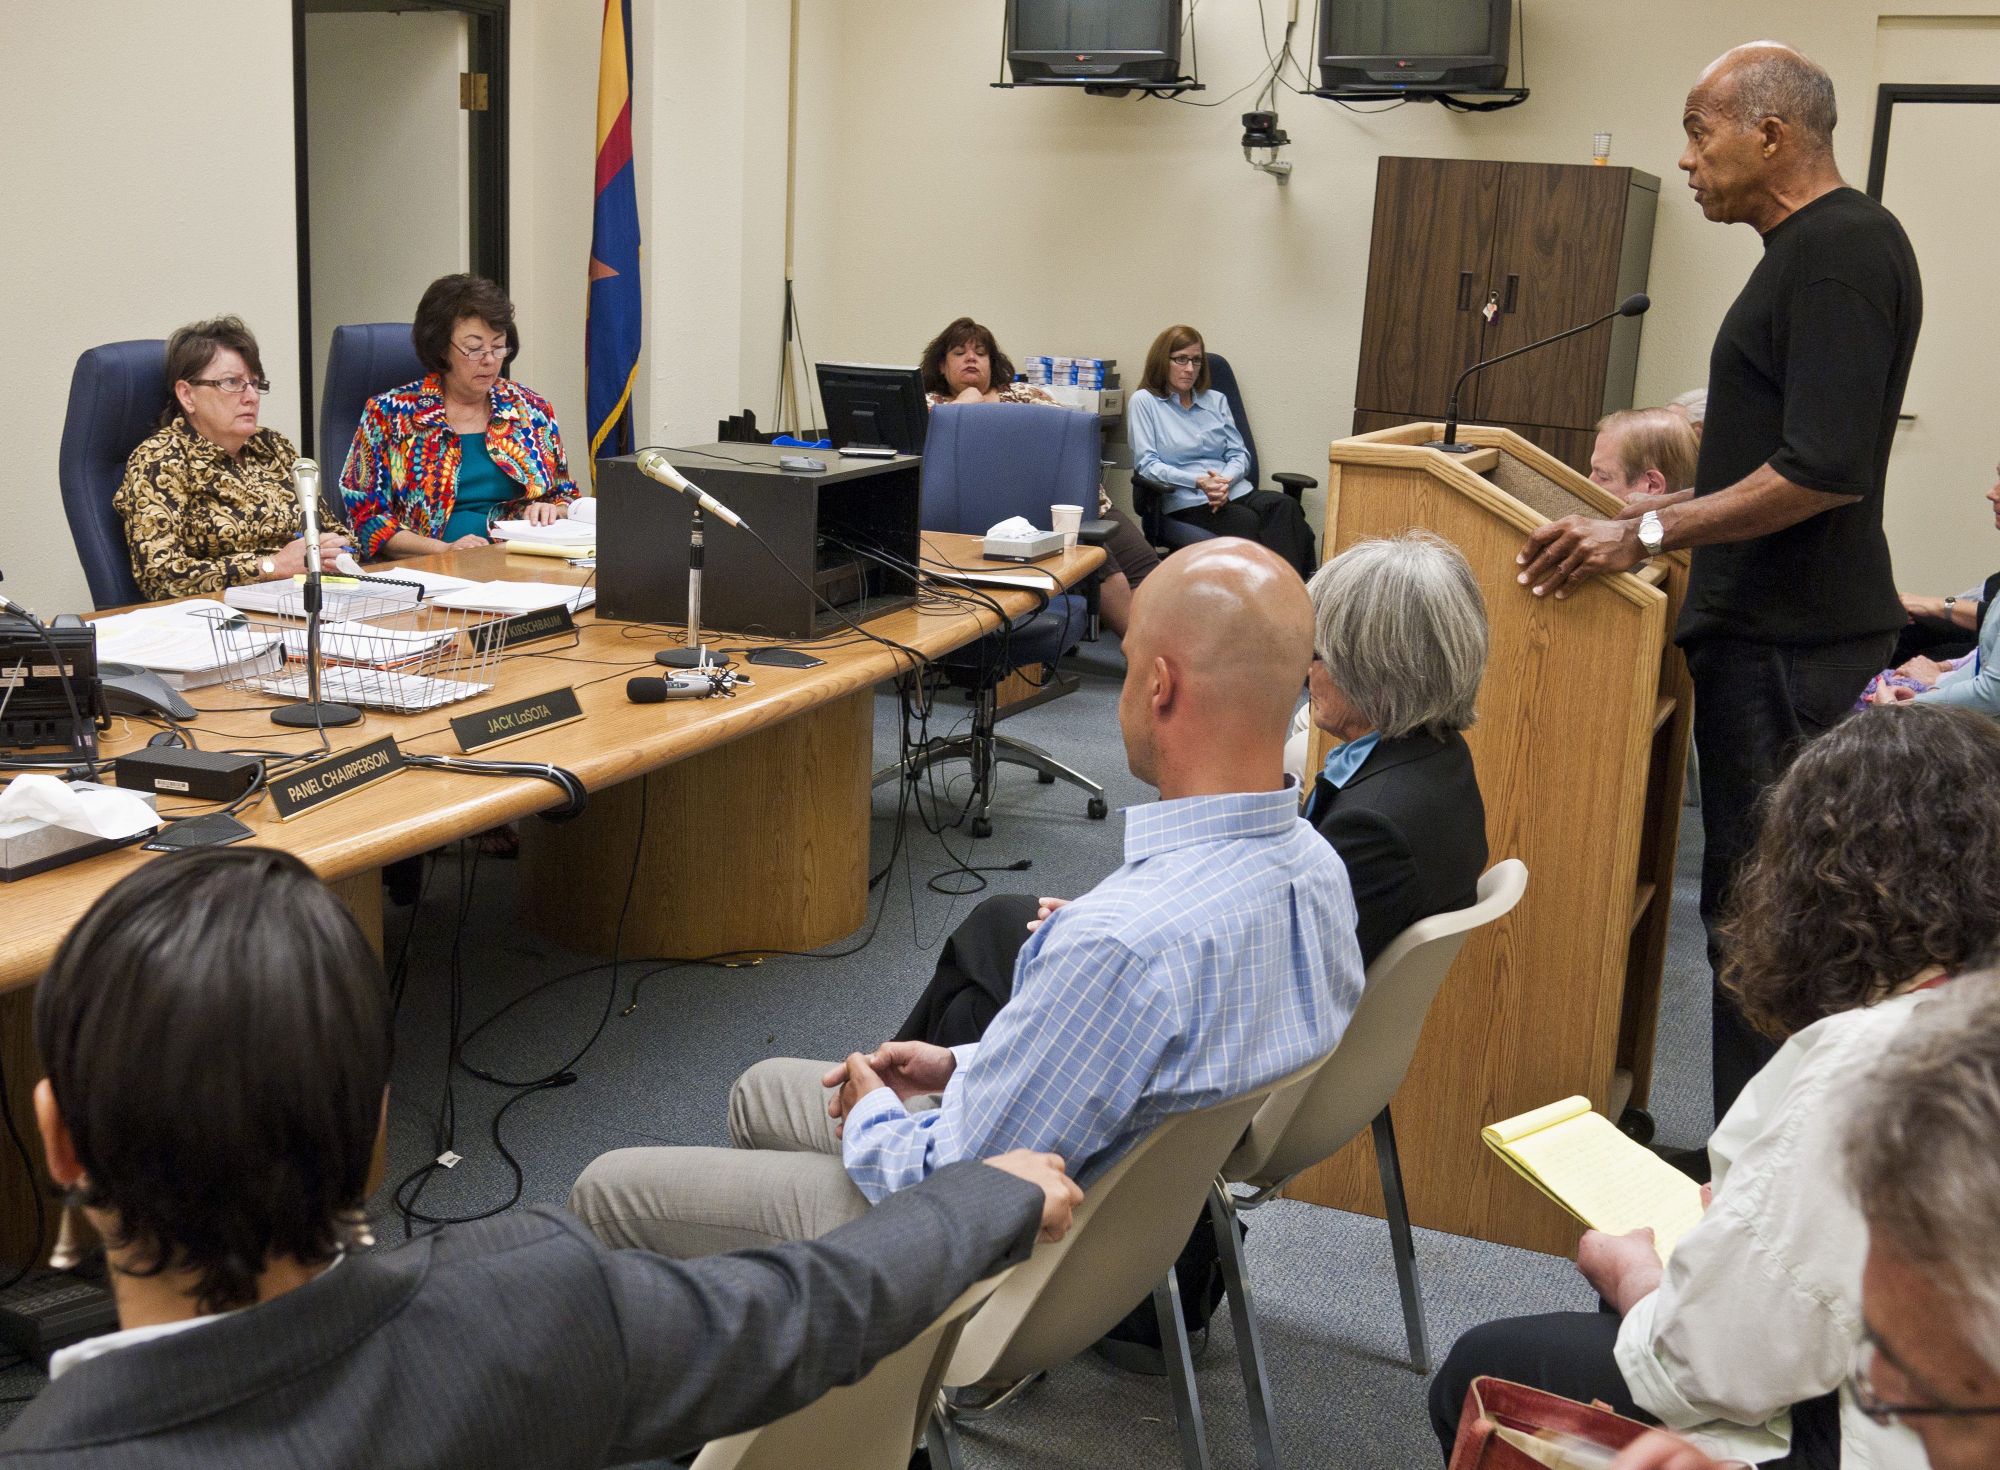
505, 722
527, 627
338, 775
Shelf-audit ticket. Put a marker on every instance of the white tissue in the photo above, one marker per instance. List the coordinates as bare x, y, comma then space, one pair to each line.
100, 811
347, 566
1015, 526
584, 509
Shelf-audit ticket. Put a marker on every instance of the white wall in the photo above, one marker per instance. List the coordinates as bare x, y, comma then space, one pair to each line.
1074, 224
382, 93
146, 176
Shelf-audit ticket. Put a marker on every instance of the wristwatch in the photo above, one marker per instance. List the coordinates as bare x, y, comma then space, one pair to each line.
1652, 535
267, 567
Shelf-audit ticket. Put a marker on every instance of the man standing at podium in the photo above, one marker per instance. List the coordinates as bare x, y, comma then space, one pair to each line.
1791, 605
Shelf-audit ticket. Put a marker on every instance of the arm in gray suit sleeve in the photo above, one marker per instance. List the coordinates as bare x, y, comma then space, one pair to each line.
722, 1344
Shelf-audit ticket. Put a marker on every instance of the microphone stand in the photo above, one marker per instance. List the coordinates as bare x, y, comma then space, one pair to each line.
694, 656
315, 713
1447, 443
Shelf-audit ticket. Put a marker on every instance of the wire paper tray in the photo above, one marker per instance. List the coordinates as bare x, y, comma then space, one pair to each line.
382, 654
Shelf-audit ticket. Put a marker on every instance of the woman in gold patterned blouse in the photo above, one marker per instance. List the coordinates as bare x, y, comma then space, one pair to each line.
207, 501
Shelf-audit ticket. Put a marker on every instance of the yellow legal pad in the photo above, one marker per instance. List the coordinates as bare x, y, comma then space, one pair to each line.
1579, 1159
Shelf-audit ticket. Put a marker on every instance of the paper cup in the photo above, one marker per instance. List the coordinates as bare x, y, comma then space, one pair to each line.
1067, 519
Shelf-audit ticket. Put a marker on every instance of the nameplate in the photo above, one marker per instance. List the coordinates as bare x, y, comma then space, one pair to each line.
527, 627
505, 722
336, 776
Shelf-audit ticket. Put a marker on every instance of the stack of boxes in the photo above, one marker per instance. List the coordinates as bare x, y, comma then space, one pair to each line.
1088, 383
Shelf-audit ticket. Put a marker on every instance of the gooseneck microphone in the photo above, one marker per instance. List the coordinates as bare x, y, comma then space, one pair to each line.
305, 485
1634, 305
653, 465
316, 713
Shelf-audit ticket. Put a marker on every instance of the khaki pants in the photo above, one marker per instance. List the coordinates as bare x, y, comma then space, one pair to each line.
782, 1181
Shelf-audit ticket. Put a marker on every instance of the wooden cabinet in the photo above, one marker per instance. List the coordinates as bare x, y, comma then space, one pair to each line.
1547, 246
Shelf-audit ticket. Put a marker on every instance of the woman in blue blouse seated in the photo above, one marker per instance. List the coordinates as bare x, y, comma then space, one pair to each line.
1185, 438
436, 461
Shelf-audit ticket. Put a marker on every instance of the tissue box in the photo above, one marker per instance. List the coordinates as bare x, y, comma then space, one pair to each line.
28, 847
1029, 547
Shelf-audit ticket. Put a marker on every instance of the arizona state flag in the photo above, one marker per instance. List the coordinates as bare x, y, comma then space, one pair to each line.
611, 332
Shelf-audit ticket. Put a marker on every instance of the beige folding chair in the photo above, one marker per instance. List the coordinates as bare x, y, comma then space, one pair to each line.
872, 1424
1128, 1231
1314, 1119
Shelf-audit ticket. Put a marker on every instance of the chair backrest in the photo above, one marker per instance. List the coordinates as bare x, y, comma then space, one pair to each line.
1303, 1125
984, 462
361, 361
871, 1424
115, 398
1222, 378
1132, 1224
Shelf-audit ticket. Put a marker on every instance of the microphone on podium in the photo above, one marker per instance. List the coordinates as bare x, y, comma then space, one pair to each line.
1634, 305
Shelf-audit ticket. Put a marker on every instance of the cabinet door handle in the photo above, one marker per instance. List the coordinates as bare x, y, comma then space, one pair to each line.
1513, 288
1465, 290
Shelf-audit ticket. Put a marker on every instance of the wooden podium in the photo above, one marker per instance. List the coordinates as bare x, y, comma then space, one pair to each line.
1580, 746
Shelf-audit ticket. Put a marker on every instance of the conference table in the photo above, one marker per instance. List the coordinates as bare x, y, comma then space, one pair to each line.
746, 815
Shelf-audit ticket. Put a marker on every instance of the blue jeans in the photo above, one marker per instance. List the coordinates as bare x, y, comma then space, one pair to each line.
1755, 705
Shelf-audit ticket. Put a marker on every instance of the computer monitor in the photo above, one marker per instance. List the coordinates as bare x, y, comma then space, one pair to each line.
869, 406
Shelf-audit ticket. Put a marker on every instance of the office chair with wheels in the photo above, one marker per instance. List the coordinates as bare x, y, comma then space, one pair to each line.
115, 398
361, 361
1132, 1224
984, 462
1304, 1124
1169, 534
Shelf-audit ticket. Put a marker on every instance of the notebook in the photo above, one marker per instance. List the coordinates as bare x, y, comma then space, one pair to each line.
1579, 1159
518, 597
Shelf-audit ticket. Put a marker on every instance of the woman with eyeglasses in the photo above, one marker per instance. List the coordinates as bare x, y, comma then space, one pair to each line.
207, 501
437, 461
1185, 440
1870, 888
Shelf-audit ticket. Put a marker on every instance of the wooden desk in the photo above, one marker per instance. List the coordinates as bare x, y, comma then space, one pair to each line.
757, 832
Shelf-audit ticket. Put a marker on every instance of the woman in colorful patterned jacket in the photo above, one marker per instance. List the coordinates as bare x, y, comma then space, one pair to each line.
435, 462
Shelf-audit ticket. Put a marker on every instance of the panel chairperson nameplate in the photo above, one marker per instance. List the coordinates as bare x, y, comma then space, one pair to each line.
339, 775
504, 722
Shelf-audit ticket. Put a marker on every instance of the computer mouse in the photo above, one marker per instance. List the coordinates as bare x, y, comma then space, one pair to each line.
167, 737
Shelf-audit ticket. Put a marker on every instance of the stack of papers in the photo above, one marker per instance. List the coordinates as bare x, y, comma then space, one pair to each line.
179, 643
517, 597
564, 533
340, 597
374, 689
366, 643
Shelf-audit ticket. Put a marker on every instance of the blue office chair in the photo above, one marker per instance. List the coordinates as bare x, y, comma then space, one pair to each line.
984, 462
115, 398
361, 361
1169, 534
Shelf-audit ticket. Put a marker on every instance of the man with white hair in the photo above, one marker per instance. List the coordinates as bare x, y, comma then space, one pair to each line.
1791, 604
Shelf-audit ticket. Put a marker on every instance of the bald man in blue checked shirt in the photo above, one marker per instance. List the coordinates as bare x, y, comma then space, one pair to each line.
1220, 956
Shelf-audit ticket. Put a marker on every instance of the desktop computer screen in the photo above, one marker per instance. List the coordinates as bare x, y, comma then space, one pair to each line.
869, 406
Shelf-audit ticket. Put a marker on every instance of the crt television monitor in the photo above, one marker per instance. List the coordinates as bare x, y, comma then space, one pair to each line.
869, 407
1433, 44
1094, 40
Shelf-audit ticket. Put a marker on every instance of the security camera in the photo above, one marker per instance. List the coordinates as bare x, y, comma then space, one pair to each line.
1261, 133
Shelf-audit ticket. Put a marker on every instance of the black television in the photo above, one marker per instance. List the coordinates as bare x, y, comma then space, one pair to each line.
1094, 41
1428, 45
873, 407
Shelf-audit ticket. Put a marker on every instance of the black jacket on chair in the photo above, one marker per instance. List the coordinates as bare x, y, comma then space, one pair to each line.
1411, 828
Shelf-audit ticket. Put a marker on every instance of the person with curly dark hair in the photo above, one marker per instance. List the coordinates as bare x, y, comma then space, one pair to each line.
964, 364
1872, 884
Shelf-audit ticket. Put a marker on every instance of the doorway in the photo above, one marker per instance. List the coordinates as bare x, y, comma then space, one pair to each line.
1935, 162
401, 135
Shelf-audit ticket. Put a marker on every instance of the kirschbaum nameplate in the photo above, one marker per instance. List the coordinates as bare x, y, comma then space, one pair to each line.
527, 627
336, 776
504, 722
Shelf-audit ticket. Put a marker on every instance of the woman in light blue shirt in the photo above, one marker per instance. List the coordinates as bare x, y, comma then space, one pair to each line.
1972, 682
1185, 438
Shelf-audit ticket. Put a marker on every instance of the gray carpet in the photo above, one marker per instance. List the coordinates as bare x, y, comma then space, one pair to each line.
1323, 1279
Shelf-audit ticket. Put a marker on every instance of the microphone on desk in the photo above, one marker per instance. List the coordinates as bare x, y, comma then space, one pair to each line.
1634, 305
653, 465
305, 485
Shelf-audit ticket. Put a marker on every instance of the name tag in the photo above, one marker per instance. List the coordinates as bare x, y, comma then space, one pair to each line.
527, 627
336, 776
504, 722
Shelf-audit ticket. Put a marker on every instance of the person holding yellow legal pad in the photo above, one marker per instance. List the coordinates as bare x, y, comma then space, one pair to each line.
1871, 886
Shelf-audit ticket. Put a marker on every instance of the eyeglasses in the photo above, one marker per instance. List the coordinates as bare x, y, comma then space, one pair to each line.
1867, 1353
488, 353
1193, 360
233, 385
